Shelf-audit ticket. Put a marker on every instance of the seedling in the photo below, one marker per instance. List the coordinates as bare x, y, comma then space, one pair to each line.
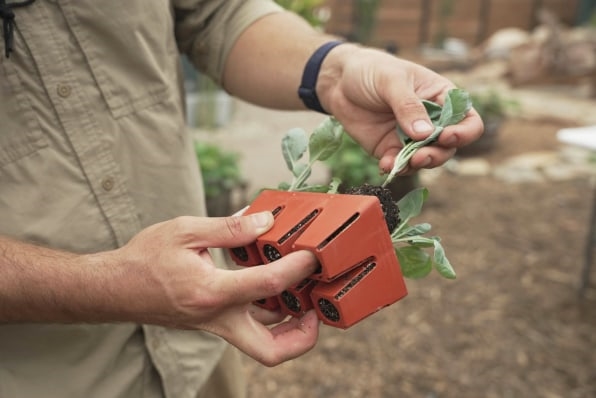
409, 240
362, 265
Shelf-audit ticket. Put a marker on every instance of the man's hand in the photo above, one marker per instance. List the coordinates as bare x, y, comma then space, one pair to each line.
370, 92
164, 276
186, 290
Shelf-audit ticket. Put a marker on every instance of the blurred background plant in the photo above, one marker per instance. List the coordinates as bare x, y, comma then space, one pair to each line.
494, 108
354, 167
222, 177
365, 17
311, 10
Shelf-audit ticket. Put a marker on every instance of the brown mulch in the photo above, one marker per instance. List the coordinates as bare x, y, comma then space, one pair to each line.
510, 325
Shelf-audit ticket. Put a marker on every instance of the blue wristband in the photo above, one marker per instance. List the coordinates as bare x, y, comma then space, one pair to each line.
307, 90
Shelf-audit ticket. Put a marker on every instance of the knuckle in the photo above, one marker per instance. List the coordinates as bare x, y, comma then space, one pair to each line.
412, 106
233, 226
272, 284
181, 223
270, 358
203, 301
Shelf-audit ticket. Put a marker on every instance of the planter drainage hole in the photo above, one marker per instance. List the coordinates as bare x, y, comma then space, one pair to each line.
292, 303
241, 253
328, 310
271, 253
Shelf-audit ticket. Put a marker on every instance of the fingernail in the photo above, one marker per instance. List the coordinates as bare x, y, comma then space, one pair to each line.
422, 127
261, 220
451, 141
426, 162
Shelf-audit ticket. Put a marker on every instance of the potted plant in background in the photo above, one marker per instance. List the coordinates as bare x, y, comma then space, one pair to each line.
354, 167
311, 10
208, 106
494, 109
222, 179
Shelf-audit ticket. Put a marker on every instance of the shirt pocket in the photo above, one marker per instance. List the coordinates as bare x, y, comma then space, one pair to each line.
20, 134
130, 48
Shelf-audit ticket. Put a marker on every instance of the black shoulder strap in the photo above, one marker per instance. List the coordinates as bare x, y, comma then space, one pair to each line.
7, 15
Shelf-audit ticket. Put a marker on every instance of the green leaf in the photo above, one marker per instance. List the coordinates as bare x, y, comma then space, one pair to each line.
313, 188
283, 186
414, 262
418, 229
442, 265
410, 205
325, 140
403, 137
334, 185
433, 109
293, 146
300, 168
421, 241
457, 104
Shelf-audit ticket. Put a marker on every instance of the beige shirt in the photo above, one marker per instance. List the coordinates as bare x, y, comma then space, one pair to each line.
93, 148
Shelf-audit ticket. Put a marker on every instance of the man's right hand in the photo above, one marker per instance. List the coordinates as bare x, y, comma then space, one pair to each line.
164, 276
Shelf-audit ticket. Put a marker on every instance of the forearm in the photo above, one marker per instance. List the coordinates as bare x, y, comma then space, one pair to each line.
44, 285
269, 75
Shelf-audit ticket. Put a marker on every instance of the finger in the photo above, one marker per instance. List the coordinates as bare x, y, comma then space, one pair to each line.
264, 316
231, 231
283, 342
430, 156
463, 133
253, 283
410, 114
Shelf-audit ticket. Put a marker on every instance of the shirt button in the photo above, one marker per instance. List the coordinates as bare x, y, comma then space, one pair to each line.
107, 183
63, 90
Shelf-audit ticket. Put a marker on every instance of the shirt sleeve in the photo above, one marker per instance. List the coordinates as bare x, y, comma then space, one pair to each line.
206, 30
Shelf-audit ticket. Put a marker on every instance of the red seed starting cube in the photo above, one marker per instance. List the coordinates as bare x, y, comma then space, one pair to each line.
359, 272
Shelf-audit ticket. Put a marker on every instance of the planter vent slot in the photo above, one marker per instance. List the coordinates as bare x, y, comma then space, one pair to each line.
338, 231
298, 226
367, 269
277, 210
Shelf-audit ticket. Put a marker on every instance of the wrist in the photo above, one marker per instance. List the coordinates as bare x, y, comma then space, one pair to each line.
318, 68
331, 72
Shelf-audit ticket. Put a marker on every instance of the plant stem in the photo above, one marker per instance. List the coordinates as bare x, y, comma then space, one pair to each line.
299, 180
406, 153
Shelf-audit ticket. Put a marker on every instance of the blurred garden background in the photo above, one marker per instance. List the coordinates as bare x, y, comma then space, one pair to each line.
514, 210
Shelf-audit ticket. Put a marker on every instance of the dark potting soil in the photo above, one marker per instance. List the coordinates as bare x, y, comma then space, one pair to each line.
388, 205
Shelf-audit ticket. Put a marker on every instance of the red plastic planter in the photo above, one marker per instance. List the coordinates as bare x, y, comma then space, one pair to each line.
359, 272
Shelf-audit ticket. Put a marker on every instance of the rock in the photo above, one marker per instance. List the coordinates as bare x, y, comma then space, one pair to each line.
528, 167
500, 43
470, 167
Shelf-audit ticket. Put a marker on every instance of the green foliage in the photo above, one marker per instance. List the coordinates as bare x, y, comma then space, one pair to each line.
219, 168
492, 105
353, 166
307, 9
457, 104
328, 142
322, 143
366, 17
410, 243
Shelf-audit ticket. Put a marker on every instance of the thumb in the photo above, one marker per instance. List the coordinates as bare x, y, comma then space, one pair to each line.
231, 231
412, 117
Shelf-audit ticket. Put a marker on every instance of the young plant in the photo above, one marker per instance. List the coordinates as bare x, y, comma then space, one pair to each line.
457, 104
408, 240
